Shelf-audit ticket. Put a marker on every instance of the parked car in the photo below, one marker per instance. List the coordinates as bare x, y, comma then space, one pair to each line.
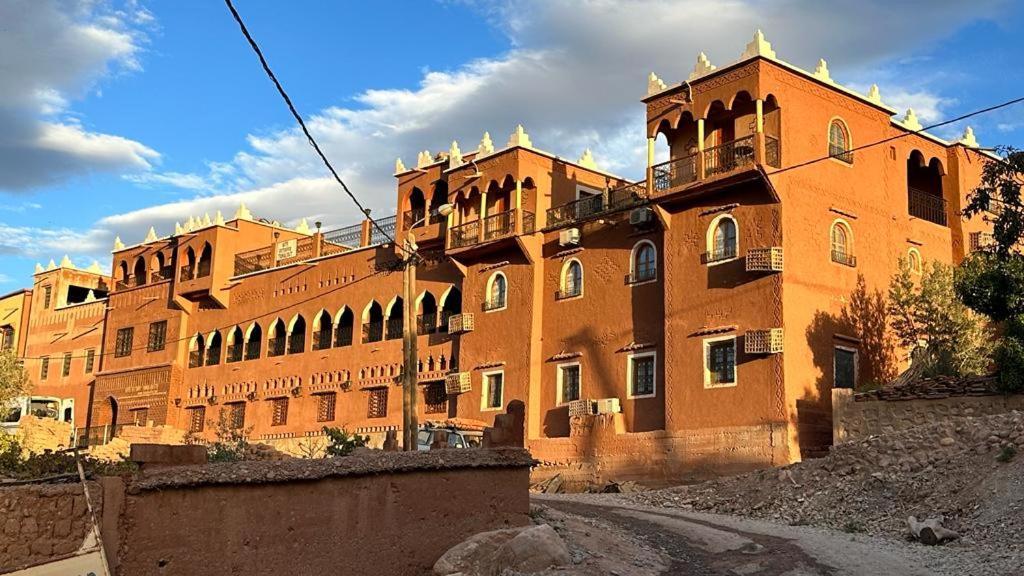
457, 438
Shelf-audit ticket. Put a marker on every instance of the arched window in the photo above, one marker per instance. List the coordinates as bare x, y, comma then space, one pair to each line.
123, 269
373, 322
196, 351
437, 199
205, 261
323, 329
497, 292
426, 319
395, 322
188, 271
416, 215
572, 280
925, 198
343, 327
278, 334
839, 141
643, 265
253, 342
158, 268
722, 239
235, 345
842, 244
139, 271
297, 335
213, 346
914, 261
451, 304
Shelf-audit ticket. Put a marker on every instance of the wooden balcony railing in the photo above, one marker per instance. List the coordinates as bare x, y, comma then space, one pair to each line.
729, 156
925, 206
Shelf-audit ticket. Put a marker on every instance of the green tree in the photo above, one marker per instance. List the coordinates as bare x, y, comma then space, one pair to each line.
927, 314
13, 379
991, 281
341, 443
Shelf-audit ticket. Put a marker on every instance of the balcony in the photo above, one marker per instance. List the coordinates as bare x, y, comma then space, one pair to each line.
729, 156
588, 207
568, 292
642, 275
720, 254
844, 258
373, 331
491, 228
723, 159
678, 172
165, 273
927, 206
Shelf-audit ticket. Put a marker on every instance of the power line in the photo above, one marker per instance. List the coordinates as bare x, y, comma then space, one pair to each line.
898, 136
302, 123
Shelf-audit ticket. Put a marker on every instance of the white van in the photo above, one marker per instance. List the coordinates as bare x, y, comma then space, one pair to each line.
60, 409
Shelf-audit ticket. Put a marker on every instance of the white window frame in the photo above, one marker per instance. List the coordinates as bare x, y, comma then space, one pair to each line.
706, 349
629, 373
709, 245
849, 140
485, 391
856, 363
911, 253
564, 274
848, 230
489, 286
632, 262
560, 371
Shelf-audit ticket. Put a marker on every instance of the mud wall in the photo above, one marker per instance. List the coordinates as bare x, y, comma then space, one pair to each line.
42, 523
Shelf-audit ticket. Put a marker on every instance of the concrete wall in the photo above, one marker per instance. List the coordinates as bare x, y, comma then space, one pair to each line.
42, 523
853, 420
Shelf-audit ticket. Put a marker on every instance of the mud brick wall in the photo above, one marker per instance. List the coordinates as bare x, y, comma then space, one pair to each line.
853, 420
42, 523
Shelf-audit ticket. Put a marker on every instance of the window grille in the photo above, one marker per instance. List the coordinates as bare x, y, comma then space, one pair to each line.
123, 343
377, 403
435, 398
325, 404
65, 368
642, 380
157, 336
90, 360
279, 414
196, 419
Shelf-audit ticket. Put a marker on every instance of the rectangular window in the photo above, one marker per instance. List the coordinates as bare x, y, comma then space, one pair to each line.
720, 362
494, 391
6, 337
157, 336
568, 383
65, 369
234, 415
44, 367
196, 419
90, 360
47, 296
325, 404
377, 403
845, 365
279, 412
640, 375
123, 344
435, 398
140, 416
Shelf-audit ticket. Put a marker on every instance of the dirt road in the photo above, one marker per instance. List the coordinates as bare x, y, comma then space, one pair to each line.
690, 543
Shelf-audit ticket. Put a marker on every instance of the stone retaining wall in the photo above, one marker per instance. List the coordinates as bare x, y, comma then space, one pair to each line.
854, 420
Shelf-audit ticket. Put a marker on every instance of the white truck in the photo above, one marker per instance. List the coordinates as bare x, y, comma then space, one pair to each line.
60, 409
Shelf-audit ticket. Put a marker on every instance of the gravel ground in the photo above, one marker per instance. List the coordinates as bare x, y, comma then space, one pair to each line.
695, 543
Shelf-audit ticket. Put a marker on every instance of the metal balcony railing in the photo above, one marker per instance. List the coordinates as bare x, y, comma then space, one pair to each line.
426, 323
720, 253
466, 234
297, 343
844, 258
493, 227
165, 273
925, 206
388, 226
568, 292
342, 239
187, 273
677, 172
729, 156
445, 317
495, 303
275, 346
234, 353
343, 336
373, 331
254, 260
576, 210
395, 328
642, 275
414, 218
772, 155
499, 225
252, 349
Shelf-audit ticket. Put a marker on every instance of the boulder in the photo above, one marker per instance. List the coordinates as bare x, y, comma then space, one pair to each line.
523, 550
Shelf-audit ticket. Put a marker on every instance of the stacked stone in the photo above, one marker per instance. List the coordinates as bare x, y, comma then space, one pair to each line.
40, 523
933, 388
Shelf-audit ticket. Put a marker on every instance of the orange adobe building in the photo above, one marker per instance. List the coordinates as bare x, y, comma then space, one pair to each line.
707, 310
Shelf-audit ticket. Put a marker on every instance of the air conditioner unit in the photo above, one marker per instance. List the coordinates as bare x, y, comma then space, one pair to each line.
461, 323
641, 216
458, 383
570, 237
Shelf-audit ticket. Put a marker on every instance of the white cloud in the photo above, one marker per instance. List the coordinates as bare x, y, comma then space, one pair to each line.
45, 243
52, 53
574, 78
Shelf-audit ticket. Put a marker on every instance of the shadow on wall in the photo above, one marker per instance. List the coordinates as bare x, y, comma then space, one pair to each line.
862, 324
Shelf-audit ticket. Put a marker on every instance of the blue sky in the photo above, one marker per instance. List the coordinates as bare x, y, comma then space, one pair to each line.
124, 114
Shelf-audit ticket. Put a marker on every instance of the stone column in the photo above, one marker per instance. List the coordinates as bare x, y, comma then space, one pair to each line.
700, 149
759, 133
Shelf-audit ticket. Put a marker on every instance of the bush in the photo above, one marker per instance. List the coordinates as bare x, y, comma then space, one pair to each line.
342, 443
15, 463
1009, 358
231, 445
